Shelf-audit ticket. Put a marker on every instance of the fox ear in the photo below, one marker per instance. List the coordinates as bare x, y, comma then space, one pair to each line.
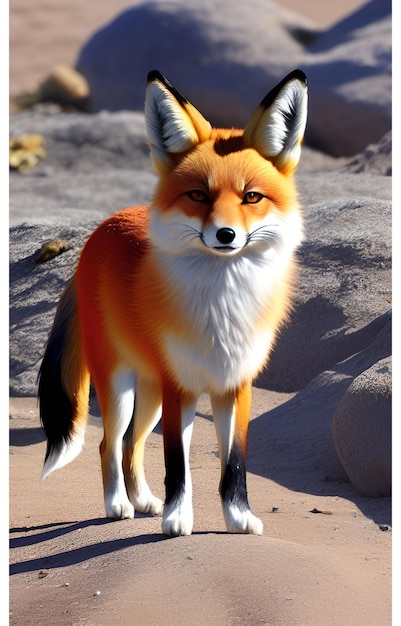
173, 124
277, 127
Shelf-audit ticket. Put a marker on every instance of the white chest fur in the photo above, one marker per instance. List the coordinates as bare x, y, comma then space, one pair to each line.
224, 300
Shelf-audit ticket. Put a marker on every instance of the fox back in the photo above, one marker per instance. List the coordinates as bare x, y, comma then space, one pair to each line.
179, 298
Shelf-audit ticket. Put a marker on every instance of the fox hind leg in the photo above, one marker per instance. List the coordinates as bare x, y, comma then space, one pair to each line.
231, 413
147, 413
116, 404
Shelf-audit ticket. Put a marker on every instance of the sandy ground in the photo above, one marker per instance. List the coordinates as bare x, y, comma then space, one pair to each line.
71, 566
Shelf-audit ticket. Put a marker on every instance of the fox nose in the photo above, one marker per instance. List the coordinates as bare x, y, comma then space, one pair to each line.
225, 235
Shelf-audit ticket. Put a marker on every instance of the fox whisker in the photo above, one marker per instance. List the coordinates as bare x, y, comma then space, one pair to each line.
190, 232
264, 233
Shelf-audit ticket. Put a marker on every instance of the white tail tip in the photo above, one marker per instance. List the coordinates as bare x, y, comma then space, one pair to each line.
63, 454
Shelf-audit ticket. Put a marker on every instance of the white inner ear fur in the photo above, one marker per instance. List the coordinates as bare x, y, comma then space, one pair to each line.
290, 102
277, 132
168, 126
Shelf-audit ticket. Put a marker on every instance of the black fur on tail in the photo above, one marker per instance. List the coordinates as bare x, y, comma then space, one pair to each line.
55, 406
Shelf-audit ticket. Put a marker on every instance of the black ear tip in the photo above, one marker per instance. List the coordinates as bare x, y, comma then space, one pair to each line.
299, 75
272, 95
156, 75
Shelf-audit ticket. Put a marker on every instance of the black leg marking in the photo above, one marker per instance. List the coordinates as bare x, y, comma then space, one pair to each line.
175, 475
233, 488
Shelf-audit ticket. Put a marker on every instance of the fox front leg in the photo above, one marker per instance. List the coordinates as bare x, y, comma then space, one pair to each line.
178, 416
231, 413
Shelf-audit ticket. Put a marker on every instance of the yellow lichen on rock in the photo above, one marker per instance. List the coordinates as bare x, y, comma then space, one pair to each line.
25, 152
50, 249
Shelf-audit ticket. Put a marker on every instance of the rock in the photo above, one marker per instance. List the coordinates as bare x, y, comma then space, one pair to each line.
376, 158
304, 423
344, 278
64, 85
96, 165
35, 290
65, 82
225, 57
361, 430
87, 143
349, 72
50, 249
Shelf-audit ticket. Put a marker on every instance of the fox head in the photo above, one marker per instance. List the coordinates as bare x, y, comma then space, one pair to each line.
225, 190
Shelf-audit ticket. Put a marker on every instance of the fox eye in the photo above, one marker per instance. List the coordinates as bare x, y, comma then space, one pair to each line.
252, 197
197, 195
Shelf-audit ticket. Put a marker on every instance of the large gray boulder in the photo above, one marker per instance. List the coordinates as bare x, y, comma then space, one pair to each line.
226, 56
223, 56
304, 424
349, 71
361, 430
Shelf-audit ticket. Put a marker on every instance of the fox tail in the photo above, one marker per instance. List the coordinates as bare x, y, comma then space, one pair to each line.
63, 386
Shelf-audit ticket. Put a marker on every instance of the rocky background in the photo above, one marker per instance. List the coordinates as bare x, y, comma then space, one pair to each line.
81, 153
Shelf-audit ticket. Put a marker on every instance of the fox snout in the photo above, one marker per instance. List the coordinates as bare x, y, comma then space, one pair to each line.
223, 239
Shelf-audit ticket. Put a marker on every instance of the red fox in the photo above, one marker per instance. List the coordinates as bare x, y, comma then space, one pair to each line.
178, 298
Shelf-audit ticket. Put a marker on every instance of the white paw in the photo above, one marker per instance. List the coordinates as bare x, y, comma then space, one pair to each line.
242, 521
177, 520
119, 508
148, 504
